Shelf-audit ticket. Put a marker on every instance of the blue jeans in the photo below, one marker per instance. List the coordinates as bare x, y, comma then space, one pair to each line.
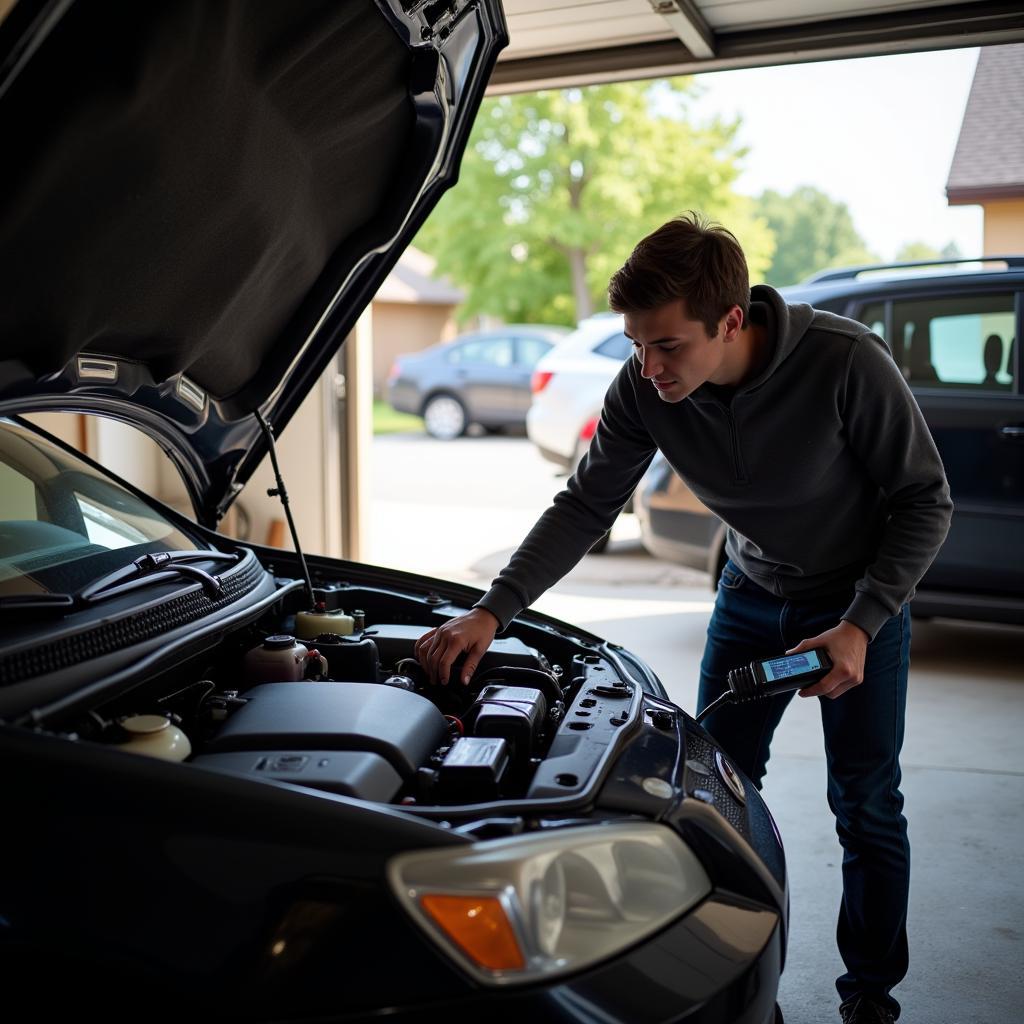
863, 736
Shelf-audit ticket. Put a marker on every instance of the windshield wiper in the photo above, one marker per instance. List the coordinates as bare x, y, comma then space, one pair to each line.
158, 566
36, 602
154, 568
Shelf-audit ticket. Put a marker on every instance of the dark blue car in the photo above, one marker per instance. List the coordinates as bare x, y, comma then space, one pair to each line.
230, 793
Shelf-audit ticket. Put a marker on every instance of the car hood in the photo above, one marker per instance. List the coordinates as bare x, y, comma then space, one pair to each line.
200, 199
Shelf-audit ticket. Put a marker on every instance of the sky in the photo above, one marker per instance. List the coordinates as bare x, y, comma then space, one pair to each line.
877, 133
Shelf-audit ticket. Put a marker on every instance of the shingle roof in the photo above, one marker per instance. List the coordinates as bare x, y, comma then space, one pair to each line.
989, 158
412, 280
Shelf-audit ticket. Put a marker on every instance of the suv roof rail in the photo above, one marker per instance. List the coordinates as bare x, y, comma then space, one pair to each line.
851, 273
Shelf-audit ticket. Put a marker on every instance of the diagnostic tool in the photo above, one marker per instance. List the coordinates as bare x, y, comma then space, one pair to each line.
762, 679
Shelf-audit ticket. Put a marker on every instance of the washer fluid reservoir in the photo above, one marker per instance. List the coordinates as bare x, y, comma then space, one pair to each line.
309, 625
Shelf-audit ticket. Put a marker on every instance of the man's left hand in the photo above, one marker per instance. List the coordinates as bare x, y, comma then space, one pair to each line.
847, 646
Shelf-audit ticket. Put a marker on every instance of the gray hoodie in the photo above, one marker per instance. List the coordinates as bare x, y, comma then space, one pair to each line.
822, 469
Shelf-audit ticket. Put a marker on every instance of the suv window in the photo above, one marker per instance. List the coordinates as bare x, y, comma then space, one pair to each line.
618, 346
492, 351
965, 341
873, 318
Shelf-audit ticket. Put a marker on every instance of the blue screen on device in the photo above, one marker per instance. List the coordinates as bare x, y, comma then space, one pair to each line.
794, 665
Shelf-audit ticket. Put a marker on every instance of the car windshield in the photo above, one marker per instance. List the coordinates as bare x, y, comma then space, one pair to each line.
64, 523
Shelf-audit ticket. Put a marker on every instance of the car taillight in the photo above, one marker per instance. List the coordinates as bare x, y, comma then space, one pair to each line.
588, 429
396, 369
539, 380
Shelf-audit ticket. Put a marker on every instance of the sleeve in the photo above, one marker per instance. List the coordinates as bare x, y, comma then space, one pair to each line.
888, 433
619, 454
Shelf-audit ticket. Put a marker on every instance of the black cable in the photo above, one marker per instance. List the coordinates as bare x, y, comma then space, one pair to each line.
726, 698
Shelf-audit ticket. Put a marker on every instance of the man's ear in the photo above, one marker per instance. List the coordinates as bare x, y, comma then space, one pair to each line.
733, 323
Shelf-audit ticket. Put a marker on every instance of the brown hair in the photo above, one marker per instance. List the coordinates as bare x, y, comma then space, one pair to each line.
688, 258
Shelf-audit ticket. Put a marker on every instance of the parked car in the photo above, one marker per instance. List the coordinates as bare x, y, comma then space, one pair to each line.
231, 791
482, 378
952, 328
568, 387
568, 392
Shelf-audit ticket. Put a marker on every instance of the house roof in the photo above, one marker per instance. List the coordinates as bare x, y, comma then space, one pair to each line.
989, 158
413, 281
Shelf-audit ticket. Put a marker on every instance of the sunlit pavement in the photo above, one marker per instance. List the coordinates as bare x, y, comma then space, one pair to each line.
457, 510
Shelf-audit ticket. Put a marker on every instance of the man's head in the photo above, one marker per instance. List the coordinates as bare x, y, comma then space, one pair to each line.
685, 294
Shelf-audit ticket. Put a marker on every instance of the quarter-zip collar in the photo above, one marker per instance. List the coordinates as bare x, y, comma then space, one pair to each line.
786, 325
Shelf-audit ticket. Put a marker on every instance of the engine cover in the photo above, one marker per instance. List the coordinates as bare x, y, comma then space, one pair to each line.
403, 727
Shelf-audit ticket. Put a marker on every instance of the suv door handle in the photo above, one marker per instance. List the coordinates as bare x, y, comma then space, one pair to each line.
1014, 433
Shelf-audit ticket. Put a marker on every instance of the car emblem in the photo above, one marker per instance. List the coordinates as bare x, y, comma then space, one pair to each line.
730, 777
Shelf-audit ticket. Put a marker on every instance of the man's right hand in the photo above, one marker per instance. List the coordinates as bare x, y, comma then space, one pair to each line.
437, 650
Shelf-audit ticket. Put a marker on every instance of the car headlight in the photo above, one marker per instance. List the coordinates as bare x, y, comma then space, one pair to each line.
533, 907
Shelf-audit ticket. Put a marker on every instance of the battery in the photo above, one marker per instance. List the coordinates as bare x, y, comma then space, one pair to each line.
472, 769
515, 713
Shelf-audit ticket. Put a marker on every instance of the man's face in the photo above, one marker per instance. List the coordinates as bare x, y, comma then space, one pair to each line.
676, 354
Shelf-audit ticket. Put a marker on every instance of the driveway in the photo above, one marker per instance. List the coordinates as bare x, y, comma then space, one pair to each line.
458, 509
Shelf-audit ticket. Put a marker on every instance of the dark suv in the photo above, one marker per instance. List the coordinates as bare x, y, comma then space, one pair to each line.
952, 327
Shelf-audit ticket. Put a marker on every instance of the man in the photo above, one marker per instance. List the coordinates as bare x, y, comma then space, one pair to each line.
796, 428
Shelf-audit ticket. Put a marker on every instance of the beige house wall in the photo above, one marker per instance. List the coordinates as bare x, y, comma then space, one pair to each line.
1004, 227
401, 327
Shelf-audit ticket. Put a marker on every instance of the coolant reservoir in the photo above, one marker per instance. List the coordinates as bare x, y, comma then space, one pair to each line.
280, 659
309, 625
154, 735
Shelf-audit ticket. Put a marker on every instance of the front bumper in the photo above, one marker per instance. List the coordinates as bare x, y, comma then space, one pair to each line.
719, 964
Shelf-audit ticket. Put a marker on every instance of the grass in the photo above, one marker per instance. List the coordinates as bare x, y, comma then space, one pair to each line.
387, 421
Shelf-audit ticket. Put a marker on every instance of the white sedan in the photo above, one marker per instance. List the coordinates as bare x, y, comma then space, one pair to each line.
569, 384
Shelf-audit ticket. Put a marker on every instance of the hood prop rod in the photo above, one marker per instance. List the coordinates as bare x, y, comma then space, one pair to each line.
280, 491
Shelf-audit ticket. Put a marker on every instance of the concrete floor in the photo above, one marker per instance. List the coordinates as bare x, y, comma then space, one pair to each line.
457, 510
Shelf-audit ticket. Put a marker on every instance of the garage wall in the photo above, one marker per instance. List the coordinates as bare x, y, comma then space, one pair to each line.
128, 453
306, 452
63, 425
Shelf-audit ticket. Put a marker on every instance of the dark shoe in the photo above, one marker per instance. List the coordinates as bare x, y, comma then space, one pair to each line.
861, 1010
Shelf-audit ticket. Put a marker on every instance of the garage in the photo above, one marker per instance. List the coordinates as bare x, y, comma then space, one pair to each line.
255, 734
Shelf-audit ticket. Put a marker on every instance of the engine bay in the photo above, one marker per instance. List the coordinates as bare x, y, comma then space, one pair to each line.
333, 700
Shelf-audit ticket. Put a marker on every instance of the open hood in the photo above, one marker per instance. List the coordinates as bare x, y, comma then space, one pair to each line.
199, 199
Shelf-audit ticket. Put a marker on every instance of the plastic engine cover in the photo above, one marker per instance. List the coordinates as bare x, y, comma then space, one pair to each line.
403, 727
348, 772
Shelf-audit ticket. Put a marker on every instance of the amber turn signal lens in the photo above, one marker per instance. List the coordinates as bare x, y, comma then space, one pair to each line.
479, 927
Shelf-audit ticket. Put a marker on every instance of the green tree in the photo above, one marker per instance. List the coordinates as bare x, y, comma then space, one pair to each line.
911, 251
812, 232
558, 186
